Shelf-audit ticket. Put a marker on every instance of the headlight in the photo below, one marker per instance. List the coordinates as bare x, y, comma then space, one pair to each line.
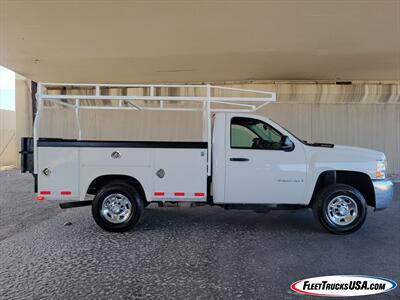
380, 171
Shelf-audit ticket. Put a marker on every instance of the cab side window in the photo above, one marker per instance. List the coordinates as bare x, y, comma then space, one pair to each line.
241, 137
249, 133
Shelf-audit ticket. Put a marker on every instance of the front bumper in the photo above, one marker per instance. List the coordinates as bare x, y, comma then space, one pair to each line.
383, 193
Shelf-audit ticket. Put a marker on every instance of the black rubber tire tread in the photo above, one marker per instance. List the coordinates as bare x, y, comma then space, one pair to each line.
322, 201
130, 192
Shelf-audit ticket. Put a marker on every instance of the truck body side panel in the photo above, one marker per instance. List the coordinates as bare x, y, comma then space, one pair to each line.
58, 173
133, 162
167, 171
181, 171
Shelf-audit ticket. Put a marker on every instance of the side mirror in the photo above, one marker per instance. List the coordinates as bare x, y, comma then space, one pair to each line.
286, 144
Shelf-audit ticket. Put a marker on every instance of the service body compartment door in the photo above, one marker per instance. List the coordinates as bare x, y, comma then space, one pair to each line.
58, 173
124, 161
180, 174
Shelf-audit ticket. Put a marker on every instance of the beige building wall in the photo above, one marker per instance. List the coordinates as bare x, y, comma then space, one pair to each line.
362, 114
8, 153
23, 108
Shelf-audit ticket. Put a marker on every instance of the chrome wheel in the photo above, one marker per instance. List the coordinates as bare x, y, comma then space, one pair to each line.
116, 208
342, 210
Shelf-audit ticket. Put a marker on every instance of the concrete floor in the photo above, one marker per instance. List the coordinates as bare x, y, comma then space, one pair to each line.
180, 253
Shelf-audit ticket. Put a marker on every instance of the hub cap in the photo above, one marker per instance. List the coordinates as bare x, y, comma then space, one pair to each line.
342, 210
116, 208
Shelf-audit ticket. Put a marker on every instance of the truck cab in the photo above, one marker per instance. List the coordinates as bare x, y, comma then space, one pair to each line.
274, 160
280, 169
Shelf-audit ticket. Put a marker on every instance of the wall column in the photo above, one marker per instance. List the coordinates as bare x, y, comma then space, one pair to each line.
23, 109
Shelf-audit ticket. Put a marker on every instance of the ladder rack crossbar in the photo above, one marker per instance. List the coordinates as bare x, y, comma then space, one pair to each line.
156, 98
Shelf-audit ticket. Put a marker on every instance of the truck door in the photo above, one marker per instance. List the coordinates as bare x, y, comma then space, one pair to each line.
258, 170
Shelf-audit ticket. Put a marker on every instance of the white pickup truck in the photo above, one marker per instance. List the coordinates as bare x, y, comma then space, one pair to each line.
247, 162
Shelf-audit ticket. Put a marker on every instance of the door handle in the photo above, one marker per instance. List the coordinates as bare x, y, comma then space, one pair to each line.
239, 159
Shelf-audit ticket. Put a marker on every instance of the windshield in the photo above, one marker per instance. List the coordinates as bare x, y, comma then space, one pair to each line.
291, 133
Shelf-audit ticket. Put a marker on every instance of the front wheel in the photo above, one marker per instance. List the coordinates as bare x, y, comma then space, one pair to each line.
117, 207
340, 208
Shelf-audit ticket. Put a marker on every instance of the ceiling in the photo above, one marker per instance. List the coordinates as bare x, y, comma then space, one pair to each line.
186, 41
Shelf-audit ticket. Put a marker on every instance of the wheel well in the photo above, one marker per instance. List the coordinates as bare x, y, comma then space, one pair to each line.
101, 181
360, 181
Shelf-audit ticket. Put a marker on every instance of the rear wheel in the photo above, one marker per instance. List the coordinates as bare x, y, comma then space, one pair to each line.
117, 207
340, 208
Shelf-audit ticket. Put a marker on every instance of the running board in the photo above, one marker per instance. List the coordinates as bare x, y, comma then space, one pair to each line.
75, 204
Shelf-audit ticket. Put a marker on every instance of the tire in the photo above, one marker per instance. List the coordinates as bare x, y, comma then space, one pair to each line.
340, 209
117, 207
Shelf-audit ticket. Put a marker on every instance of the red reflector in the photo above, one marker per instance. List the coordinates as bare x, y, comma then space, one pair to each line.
199, 194
179, 194
159, 193
65, 193
45, 192
40, 198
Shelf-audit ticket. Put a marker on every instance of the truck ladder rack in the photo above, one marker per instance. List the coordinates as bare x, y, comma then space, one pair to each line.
203, 98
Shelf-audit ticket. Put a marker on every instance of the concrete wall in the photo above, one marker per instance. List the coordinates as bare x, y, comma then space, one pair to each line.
362, 114
23, 109
8, 153
123, 125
